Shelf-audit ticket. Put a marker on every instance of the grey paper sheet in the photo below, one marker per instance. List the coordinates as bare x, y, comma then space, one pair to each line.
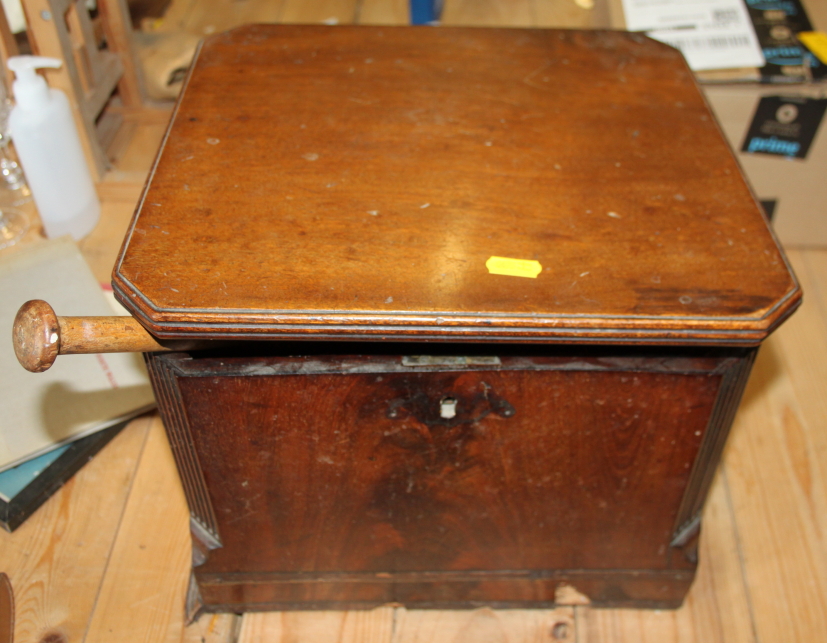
80, 393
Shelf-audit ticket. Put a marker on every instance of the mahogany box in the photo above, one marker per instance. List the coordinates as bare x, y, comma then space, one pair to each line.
481, 305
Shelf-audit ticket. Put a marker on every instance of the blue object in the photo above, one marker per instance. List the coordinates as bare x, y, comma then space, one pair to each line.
424, 12
13, 481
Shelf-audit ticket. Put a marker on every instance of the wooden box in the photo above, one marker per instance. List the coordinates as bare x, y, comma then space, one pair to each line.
405, 417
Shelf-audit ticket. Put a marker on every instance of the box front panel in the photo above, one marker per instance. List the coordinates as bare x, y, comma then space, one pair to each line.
537, 467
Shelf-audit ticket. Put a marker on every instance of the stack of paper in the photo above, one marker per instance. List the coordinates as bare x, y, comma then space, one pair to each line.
80, 394
711, 34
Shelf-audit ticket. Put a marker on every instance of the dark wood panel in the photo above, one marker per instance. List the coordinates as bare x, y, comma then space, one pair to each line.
175, 416
335, 481
360, 472
638, 589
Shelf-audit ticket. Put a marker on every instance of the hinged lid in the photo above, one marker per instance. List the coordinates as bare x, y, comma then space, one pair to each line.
353, 182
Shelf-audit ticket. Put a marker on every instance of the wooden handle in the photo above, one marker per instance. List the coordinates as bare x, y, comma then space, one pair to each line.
39, 336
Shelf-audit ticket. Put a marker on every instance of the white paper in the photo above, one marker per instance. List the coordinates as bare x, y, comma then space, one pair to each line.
711, 34
79, 394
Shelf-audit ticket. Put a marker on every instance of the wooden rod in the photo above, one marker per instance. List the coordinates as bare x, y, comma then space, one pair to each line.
39, 336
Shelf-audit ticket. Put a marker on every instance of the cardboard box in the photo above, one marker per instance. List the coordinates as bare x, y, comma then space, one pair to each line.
798, 187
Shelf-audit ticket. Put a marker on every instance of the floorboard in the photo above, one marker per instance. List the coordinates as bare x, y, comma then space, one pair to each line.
776, 475
486, 626
383, 12
489, 13
57, 558
328, 11
371, 626
143, 591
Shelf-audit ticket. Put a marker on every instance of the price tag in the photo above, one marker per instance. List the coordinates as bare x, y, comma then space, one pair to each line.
513, 267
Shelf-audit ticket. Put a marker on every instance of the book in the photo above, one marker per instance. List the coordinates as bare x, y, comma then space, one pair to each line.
24, 488
80, 394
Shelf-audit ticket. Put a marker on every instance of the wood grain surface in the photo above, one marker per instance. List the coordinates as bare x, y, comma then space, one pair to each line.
783, 457
353, 182
155, 548
40, 336
58, 558
338, 480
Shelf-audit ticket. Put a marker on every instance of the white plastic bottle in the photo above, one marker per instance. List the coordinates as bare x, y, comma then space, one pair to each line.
49, 148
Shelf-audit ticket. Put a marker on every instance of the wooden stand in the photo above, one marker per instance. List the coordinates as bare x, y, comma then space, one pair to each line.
354, 481
428, 430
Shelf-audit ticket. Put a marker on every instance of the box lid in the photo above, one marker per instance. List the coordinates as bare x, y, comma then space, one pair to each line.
354, 182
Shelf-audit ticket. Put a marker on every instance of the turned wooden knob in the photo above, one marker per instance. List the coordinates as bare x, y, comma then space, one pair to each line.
36, 336
39, 336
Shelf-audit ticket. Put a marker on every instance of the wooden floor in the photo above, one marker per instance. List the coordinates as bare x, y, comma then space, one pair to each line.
107, 558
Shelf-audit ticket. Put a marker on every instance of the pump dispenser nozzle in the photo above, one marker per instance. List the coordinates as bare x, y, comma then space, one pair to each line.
30, 89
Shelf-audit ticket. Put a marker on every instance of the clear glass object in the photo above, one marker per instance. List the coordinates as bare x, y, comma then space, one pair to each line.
13, 188
13, 225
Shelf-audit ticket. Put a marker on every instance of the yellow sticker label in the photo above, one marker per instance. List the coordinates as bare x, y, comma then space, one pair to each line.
513, 267
815, 41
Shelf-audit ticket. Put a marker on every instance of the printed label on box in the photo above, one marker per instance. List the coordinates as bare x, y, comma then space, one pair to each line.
777, 23
784, 125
